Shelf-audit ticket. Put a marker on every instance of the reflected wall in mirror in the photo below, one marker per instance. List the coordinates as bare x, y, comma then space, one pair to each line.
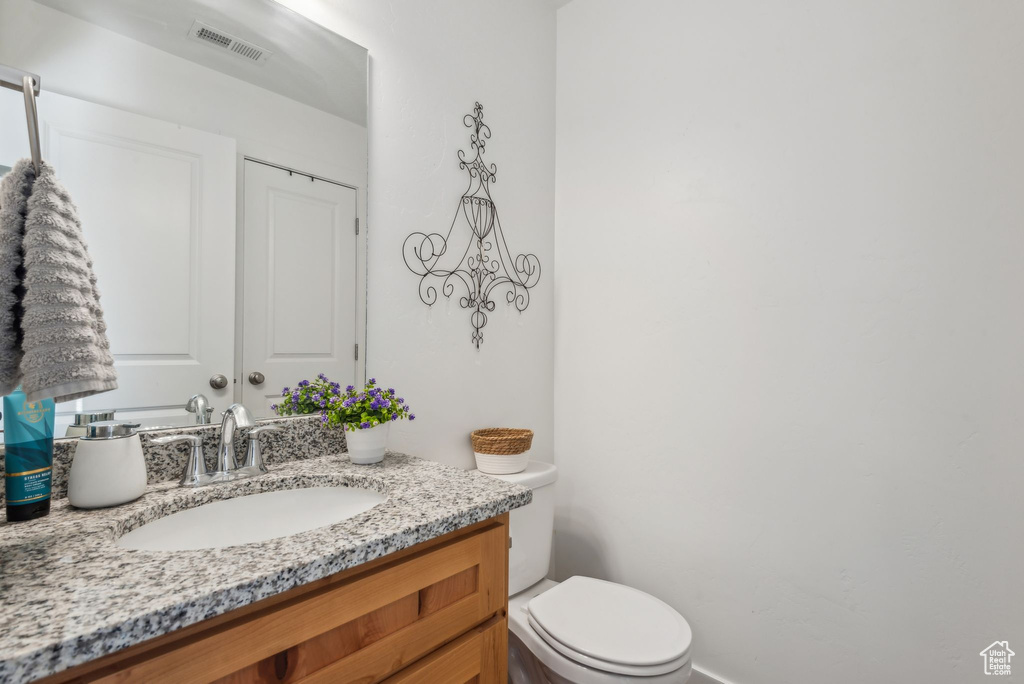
217, 152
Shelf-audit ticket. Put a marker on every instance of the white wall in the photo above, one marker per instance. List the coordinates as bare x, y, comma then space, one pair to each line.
789, 335
429, 63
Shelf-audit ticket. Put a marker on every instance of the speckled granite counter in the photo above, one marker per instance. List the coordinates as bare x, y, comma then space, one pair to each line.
69, 595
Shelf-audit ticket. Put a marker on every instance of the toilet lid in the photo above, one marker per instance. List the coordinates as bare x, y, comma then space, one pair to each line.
610, 624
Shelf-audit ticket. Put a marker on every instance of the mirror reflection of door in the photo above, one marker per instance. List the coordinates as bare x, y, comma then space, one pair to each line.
157, 204
299, 272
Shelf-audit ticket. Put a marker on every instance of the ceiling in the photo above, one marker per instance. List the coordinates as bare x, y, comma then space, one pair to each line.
309, 63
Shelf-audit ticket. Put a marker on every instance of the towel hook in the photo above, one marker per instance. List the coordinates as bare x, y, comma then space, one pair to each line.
32, 116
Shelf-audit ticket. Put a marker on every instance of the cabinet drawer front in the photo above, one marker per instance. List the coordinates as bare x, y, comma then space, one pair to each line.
361, 629
480, 656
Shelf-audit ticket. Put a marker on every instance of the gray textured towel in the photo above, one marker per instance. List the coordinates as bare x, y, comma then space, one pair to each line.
65, 352
14, 191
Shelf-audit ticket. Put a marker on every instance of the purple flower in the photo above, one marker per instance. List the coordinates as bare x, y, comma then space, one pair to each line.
391, 391
373, 381
323, 418
400, 400
412, 416
304, 383
350, 388
405, 408
394, 416
365, 425
273, 407
285, 391
321, 376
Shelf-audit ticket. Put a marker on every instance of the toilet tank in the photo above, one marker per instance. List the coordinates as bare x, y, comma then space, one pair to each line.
531, 526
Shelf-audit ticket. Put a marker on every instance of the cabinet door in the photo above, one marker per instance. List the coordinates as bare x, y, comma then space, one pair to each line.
299, 275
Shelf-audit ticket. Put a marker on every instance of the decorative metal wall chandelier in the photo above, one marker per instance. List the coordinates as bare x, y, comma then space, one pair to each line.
485, 267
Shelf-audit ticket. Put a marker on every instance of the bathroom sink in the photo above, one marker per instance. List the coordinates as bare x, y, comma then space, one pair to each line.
252, 518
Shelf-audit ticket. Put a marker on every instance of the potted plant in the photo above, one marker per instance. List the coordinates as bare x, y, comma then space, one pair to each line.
364, 414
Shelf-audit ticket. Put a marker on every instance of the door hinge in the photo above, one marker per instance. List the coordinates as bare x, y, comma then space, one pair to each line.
357, 351
357, 226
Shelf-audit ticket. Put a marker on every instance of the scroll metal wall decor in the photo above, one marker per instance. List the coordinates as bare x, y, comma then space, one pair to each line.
485, 265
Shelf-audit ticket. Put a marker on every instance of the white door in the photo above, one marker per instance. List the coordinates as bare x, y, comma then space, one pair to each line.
299, 282
157, 205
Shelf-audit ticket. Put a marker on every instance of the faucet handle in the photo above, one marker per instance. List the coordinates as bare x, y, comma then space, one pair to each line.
253, 455
266, 427
195, 472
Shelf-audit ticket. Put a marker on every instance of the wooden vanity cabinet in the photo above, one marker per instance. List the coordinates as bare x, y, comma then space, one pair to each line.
433, 613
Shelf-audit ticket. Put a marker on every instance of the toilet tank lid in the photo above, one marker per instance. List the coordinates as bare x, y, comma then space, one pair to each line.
537, 474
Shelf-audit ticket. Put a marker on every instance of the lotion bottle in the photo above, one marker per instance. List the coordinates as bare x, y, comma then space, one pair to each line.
28, 457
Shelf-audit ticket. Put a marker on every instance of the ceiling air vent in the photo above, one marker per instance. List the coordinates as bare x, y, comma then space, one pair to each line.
203, 33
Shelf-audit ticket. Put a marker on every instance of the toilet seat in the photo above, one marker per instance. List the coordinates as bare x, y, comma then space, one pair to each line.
611, 627
605, 665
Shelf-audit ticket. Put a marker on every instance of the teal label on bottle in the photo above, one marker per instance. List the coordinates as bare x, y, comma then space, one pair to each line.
28, 459
28, 486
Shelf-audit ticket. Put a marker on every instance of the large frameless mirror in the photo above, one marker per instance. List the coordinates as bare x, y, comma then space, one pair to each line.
217, 153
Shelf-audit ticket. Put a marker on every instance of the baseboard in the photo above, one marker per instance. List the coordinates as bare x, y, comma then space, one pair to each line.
701, 676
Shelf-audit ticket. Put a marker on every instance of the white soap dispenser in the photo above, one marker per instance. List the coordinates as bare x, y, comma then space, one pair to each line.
108, 468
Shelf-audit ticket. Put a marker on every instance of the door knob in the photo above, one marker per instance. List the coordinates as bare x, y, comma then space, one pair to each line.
256, 378
218, 381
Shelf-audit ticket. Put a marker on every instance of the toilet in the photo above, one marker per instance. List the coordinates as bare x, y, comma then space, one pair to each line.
582, 630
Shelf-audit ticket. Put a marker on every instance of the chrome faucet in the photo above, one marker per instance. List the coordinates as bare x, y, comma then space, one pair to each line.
199, 405
195, 473
235, 417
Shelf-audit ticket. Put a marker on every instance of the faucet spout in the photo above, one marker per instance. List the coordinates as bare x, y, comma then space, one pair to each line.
199, 405
235, 417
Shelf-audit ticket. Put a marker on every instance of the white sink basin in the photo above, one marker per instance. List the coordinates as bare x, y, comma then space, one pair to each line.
252, 518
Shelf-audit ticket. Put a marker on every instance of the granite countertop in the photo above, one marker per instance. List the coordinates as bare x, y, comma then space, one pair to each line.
68, 594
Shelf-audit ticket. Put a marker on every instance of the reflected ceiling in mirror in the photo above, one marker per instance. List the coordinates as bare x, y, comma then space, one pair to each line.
257, 41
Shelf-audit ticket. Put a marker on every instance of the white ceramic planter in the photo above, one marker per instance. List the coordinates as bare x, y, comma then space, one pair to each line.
367, 446
494, 464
